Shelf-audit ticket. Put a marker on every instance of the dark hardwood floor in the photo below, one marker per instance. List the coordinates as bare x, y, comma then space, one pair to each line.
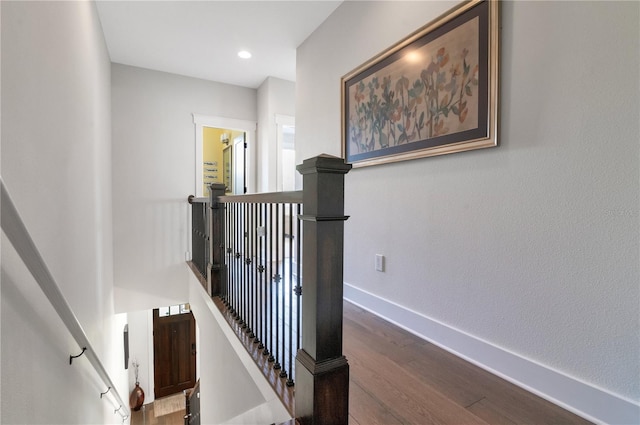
398, 378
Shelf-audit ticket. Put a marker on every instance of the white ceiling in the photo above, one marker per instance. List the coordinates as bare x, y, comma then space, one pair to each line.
202, 38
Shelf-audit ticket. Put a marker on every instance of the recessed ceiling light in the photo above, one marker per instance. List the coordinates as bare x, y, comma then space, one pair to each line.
244, 54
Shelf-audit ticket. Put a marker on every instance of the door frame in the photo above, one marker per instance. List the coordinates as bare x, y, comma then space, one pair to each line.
249, 127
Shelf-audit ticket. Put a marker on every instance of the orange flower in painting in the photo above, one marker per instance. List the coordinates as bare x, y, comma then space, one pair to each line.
463, 114
395, 117
437, 130
442, 57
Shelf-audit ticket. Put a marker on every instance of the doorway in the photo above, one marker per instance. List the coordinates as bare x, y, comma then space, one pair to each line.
233, 128
224, 159
174, 350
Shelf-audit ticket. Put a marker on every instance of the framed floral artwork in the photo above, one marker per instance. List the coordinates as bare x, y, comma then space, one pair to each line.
433, 93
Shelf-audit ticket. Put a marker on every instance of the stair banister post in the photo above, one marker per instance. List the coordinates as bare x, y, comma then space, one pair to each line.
322, 371
215, 268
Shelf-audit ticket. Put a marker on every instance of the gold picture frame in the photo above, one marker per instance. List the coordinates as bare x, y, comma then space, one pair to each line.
433, 93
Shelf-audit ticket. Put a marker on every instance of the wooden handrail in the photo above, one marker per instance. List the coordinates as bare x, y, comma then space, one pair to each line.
293, 197
193, 200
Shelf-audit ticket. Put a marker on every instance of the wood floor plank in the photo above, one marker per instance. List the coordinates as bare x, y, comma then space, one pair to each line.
379, 327
455, 378
401, 354
524, 407
408, 398
485, 410
365, 408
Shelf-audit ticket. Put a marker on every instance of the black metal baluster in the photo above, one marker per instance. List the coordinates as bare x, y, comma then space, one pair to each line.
225, 237
277, 279
260, 336
220, 247
267, 279
298, 290
231, 257
205, 236
236, 272
270, 254
250, 245
228, 254
206, 216
254, 271
223, 259
283, 294
290, 291
230, 262
240, 260
241, 266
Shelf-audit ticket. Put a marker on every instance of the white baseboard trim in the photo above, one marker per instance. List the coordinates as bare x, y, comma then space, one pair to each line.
585, 400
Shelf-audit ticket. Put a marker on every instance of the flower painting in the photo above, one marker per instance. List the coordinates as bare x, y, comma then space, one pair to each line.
430, 93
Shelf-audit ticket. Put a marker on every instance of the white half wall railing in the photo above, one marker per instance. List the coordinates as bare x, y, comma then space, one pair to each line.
17, 233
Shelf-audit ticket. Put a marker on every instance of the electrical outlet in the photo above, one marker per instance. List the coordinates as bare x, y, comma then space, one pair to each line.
379, 262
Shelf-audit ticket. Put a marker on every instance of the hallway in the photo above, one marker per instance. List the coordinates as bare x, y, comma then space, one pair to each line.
398, 378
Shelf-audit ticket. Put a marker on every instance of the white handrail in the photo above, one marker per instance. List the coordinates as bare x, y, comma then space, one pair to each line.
17, 233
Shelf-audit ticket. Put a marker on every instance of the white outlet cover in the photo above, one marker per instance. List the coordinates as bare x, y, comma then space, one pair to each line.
379, 262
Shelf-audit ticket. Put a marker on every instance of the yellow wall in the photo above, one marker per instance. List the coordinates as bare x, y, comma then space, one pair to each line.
212, 156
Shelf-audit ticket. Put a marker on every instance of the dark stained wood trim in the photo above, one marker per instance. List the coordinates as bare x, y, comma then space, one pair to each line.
197, 274
293, 197
322, 372
279, 385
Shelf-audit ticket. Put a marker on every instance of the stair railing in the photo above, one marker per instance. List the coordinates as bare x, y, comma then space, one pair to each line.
16, 231
276, 262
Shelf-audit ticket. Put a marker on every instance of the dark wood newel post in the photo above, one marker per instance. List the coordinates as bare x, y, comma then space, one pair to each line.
215, 268
322, 372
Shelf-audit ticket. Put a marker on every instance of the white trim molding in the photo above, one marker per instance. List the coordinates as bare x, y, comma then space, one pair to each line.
592, 403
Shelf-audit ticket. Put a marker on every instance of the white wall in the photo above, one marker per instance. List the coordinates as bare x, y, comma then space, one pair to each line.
527, 252
153, 163
275, 96
141, 351
233, 389
56, 163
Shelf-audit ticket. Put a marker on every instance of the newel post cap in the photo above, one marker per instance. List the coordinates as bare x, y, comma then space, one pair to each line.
324, 164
